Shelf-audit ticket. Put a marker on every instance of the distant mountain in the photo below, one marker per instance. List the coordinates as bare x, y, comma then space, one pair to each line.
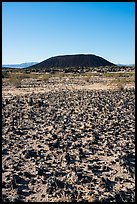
127, 65
77, 61
22, 65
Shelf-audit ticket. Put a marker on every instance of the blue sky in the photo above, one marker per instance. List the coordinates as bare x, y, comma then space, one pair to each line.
35, 31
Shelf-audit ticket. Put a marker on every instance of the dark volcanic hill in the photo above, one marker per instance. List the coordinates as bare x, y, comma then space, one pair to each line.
79, 60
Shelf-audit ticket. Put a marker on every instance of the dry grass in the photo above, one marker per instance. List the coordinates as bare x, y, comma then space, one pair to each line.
15, 79
119, 74
120, 83
120, 80
116, 79
45, 77
59, 74
87, 78
88, 75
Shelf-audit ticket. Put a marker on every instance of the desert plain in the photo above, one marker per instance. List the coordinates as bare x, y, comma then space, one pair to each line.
68, 137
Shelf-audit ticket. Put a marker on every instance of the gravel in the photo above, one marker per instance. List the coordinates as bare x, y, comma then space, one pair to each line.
69, 145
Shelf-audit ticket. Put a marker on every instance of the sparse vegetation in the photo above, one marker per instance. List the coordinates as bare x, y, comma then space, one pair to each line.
87, 78
113, 79
15, 79
119, 74
58, 74
120, 79
120, 83
5, 74
45, 77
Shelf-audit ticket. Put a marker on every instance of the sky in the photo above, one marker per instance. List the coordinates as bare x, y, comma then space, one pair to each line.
35, 31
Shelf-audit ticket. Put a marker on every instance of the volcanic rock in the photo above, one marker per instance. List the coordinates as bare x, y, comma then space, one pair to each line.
78, 61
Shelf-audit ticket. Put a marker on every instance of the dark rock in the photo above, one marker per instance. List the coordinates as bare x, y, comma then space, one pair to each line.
19, 180
30, 153
80, 60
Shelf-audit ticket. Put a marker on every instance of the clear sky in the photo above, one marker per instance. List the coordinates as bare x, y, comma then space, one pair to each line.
35, 31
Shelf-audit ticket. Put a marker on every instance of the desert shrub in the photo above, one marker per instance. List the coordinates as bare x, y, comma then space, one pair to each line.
59, 74
120, 86
45, 77
30, 75
91, 74
118, 83
15, 79
75, 75
87, 78
119, 74
87, 75
5, 74
107, 74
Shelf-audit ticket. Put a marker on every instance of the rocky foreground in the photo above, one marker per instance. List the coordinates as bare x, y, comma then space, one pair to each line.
69, 145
